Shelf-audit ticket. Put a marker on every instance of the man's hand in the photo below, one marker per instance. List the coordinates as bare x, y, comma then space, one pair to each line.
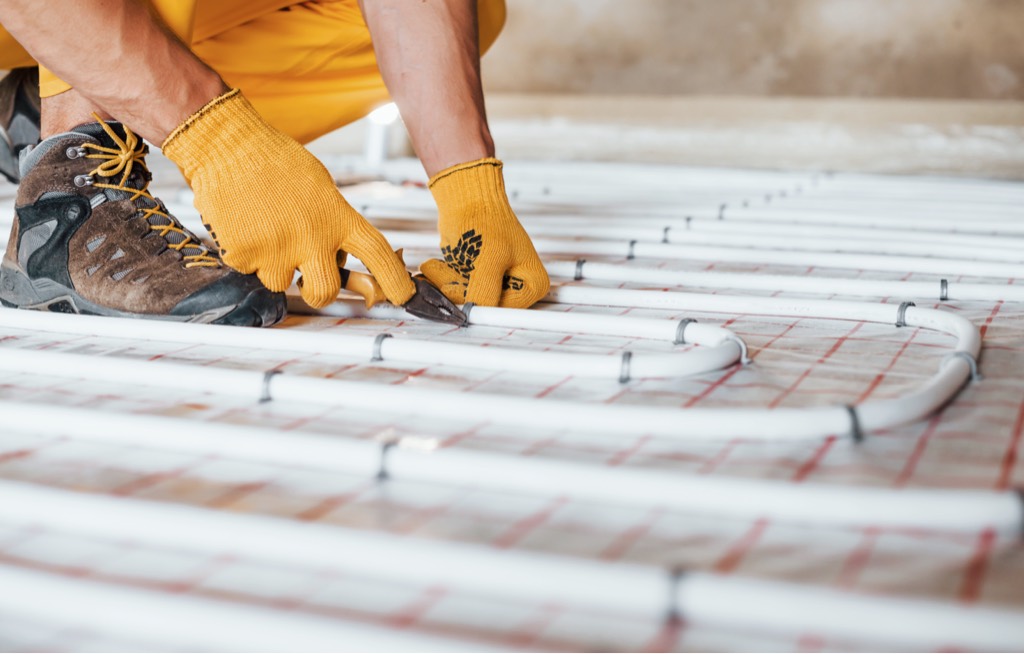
429, 56
273, 208
489, 259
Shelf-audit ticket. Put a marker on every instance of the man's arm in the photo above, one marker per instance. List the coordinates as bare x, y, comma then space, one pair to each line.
118, 56
428, 53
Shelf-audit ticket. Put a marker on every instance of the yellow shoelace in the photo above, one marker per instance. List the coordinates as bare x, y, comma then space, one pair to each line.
122, 160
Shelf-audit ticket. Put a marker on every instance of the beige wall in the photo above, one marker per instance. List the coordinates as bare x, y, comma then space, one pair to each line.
848, 48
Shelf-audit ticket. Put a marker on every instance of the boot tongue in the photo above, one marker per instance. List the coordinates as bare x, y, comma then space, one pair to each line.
136, 180
96, 131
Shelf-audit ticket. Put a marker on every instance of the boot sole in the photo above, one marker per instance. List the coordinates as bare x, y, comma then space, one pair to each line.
17, 291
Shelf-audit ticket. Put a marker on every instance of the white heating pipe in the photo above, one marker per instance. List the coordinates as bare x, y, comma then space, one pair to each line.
163, 619
969, 225
722, 352
779, 423
658, 329
699, 229
934, 290
516, 575
419, 460
837, 259
680, 230
880, 243
527, 412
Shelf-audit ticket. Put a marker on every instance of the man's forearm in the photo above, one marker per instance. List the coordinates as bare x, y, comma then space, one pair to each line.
429, 55
116, 54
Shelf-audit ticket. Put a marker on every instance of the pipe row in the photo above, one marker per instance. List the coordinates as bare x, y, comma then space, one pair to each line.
622, 588
676, 332
941, 290
635, 249
160, 619
881, 243
769, 424
724, 348
420, 460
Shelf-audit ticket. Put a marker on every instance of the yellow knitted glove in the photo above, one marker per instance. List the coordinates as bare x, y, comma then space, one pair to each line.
273, 208
489, 258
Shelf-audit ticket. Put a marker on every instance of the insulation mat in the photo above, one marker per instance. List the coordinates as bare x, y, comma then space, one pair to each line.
796, 362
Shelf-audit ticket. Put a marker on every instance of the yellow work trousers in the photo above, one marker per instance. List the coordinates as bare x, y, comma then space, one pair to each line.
308, 67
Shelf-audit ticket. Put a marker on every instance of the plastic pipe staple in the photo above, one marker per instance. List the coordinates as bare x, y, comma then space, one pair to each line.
625, 588
721, 348
769, 424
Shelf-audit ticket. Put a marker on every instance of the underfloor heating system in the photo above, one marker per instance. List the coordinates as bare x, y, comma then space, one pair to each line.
757, 411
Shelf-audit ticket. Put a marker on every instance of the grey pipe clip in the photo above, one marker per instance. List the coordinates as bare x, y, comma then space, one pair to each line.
265, 386
943, 290
579, 272
901, 314
377, 342
681, 330
855, 429
1020, 496
664, 234
627, 360
744, 358
382, 467
632, 250
466, 308
971, 361
674, 614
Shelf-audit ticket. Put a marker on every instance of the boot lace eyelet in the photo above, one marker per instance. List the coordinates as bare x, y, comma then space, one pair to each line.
83, 180
75, 152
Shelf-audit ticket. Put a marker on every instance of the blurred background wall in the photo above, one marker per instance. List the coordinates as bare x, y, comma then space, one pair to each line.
902, 86
971, 49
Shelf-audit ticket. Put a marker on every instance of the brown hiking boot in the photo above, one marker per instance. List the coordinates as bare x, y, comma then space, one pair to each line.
19, 117
89, 238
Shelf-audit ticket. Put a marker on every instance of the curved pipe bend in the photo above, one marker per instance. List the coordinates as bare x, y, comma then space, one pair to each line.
758, 423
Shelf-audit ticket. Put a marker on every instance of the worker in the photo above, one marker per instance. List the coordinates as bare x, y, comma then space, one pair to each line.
230, 89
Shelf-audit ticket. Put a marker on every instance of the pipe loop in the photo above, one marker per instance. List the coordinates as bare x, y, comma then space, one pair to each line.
855, 429
467, 308
681, 330
265, 388
377, 342
943, 290
579, 269
969, 358
632, 250
901, 314
627, 359
664, 234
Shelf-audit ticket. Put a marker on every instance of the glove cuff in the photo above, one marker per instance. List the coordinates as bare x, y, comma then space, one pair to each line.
471, 183
213, 133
